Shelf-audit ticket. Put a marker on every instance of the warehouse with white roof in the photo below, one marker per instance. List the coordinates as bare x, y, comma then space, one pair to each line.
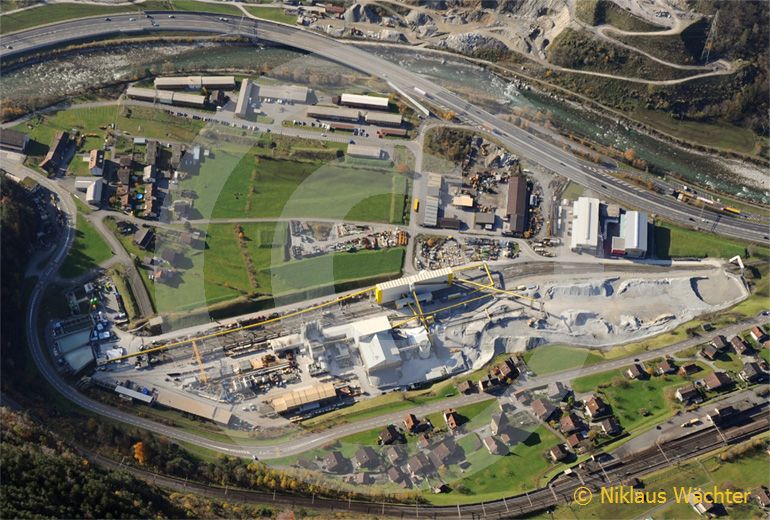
585, 225
392, 290
362, 101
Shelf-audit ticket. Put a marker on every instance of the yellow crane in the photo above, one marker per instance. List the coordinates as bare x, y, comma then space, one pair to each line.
199, 359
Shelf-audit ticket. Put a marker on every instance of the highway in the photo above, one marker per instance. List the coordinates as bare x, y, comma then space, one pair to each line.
518, 140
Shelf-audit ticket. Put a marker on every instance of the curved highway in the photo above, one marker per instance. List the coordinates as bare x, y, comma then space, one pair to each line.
518, 140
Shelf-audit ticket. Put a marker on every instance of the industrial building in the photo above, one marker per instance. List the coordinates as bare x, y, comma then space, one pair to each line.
244, 96
384, 119
516, 207
195, 82
424, 281
362, 101
333, 113
304, 399
290, 93
364, 151
432, 200
13, 141
585, 225
194, 406
633, 235
165, 97
96, 162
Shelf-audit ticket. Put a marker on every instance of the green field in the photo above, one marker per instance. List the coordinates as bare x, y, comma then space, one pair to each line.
676, 242
555, 358
275, 14
88, 250
240, 181
219, 272
65, 11
629, 397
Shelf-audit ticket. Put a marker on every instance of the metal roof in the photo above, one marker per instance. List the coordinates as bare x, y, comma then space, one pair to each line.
368, 101
303, 396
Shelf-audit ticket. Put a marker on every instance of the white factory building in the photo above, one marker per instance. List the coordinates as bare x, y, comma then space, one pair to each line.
585, 225
361, 101
633, 235
421, 283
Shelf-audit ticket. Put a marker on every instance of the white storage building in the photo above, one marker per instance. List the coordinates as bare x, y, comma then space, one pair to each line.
360, 101
94, 192
293, 93
635, 233
585, 224
242, 105
364, 151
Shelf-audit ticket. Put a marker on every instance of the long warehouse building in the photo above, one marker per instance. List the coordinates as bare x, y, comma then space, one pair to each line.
165, 97
242, 105
195, 82
516, 208
361, 101
306, 398
333, 113
392, 290
585, 225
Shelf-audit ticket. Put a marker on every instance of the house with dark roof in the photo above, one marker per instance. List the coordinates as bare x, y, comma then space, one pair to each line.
494, 446
558, 453
751, 373
365, 457
144, 238
596, 407
719, 342
543, 410
419, 465
717, 381
13, 141
667, 366
452, 419
556, 391
688, 369
395, 454
721, 414
688, 394
488, 383
506, 371
395, 475
499, 423
635, 371
389, 435
739, 345
444, 452
571, 423
466, 387
709, 352
610, 426
336, 463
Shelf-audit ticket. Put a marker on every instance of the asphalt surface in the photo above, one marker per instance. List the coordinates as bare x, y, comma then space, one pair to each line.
518, 140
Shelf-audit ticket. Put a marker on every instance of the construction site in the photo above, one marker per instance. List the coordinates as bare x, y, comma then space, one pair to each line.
260, 372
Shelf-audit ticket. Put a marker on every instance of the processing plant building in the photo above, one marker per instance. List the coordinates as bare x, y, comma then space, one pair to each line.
585, 225
425, 281
633, 237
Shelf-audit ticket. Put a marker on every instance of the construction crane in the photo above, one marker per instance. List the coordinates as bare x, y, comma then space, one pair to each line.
199, 359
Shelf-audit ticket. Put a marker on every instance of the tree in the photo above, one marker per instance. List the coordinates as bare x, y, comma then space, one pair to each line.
629, 155
139, 452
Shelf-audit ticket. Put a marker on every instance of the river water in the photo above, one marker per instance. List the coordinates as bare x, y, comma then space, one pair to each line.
63, 77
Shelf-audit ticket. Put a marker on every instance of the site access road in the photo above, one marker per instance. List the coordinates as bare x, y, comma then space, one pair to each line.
518, 140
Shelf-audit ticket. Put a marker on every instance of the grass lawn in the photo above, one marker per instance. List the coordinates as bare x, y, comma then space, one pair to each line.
275, 14
572, 191
192, 5
729, 361
56, 13
242, 182
676, 242
88, 250
555, 358
628, 397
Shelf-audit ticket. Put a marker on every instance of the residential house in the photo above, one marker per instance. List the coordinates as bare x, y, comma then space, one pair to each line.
610, 426
487, 383
395, 454
575, 441
423, 441
56, 153
362, 479
721, 414
170, 255
571, 423
396, 476
148, 174
13, 141
709, 352
751, 373
699, 503
596, 407
365, 457
739, 345
543, 410
335, 462
688, 394
124, 176
389, 435
96, 162
419, 465
635, 371
688, 369
151, 152
499, 423
494, 446
144, 238
411, 423
452, 419
757, 334
506, 371
556, 391
717, 381
444, 452
466, 387
719, 342
665, 367
762, 497
558, 453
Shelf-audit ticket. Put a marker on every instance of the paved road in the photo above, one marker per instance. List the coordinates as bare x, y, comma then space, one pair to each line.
518, 140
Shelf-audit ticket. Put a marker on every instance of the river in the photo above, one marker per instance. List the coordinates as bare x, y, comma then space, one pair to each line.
62, 77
